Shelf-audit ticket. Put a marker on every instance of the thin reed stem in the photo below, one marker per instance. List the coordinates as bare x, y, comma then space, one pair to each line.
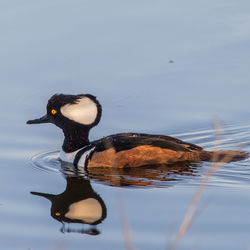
215, 166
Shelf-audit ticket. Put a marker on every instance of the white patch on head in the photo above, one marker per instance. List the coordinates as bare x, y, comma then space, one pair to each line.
89, 210
84, 111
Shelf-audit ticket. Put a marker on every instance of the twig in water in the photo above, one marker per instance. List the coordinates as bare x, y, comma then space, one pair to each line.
189, 216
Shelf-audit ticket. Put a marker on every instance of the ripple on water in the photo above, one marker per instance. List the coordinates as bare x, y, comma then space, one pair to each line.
235, 174
47, 161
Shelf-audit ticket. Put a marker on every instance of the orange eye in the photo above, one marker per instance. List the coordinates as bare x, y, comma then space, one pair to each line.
58, 214
53, 112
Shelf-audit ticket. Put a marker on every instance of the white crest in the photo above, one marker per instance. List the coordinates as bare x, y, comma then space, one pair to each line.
84, 111
88, 210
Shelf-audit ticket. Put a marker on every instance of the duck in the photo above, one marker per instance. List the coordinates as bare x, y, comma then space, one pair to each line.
77, 114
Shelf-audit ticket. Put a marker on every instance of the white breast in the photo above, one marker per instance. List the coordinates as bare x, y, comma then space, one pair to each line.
70, 157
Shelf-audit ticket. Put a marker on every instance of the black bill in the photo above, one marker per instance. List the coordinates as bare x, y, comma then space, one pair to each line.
47, 196
44, 119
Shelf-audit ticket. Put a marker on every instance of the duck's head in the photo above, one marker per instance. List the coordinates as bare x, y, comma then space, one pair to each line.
75, 115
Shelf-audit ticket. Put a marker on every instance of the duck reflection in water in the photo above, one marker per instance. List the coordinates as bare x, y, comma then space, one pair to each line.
162, 175
79, 203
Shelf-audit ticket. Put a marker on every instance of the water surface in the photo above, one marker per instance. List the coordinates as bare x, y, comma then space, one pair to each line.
157, 67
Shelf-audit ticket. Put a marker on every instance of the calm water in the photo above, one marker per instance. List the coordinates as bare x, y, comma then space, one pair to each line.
157, 67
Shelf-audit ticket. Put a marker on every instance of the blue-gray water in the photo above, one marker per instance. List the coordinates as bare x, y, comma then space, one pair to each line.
157, 67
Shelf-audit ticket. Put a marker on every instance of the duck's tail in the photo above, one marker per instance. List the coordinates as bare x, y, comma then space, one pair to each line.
223, 156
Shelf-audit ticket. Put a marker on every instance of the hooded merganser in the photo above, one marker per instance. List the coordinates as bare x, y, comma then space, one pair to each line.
77, 114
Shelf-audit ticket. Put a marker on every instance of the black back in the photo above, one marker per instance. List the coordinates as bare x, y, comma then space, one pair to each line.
126, 141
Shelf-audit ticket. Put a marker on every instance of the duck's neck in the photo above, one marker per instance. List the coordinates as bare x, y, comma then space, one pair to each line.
75, 139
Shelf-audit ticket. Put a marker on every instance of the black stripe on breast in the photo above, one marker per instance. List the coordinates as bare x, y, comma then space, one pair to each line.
80, 153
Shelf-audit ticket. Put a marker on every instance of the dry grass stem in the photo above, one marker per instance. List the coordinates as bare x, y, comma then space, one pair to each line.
189, 216
125, 225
